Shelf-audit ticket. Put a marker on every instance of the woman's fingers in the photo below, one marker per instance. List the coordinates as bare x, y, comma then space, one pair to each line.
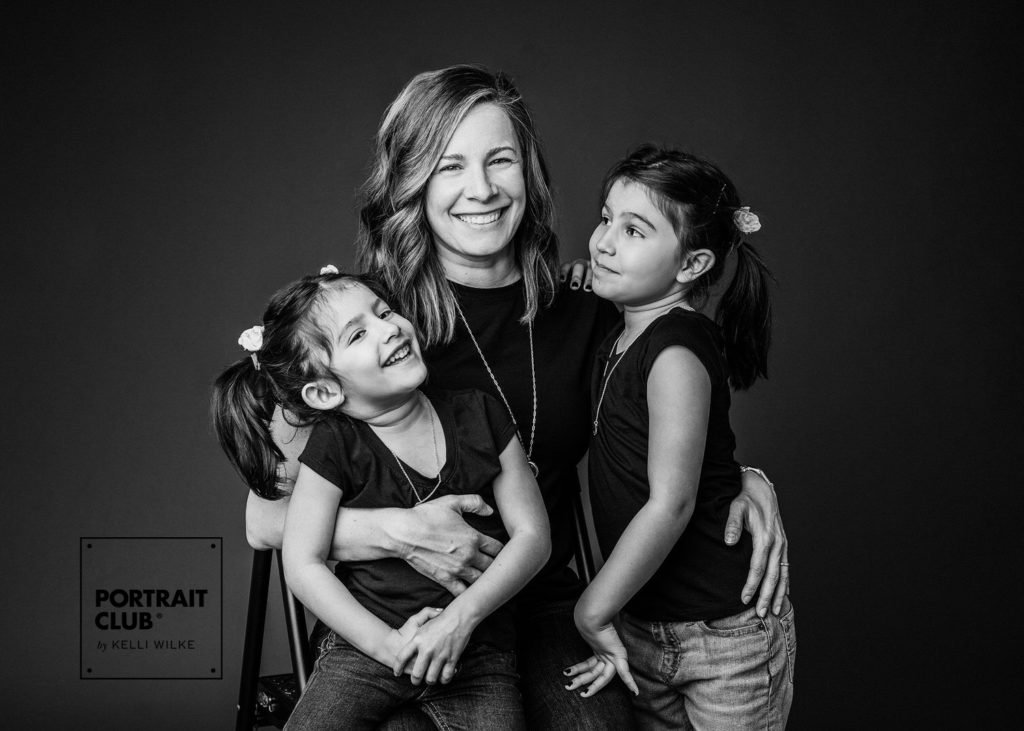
449, 671
783, 588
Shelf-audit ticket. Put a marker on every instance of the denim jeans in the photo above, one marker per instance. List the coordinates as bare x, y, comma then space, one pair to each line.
348, 690
548, 642
731, 673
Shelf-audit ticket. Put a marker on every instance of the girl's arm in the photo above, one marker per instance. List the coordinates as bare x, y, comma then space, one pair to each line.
439, 644
678, 400
432, 537
308, 531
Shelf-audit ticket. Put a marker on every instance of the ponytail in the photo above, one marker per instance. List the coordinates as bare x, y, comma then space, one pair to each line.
745, 315
242, 406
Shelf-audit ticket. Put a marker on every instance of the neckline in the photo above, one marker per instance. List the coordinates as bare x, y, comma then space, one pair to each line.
446, 420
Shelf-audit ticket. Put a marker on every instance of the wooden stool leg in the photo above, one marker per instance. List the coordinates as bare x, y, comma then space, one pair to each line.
253, 648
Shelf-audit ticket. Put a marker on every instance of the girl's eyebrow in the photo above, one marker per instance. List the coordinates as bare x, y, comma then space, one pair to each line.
631, 213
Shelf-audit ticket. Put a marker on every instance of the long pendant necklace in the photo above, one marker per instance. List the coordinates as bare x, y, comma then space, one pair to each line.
533, 381
606, 376
437, 459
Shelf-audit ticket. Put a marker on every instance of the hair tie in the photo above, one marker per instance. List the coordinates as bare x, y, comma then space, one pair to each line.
329, 269
251, 340
745, 221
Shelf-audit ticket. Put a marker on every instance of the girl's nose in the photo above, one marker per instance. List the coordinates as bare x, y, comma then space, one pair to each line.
605, 244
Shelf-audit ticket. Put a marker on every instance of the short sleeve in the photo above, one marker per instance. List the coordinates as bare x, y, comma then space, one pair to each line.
692, 331
503, 429
325, 454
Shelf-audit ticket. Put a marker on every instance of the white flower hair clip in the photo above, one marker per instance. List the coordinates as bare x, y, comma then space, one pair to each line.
252, 341
329, 269
745, 221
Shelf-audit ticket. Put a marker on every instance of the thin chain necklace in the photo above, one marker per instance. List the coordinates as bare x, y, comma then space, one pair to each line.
533, 381
606, 375
437, 459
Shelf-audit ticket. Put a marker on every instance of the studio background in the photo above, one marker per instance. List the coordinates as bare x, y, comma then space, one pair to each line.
166, 167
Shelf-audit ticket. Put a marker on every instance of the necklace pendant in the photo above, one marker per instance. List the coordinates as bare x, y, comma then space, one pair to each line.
533, 468
594, 433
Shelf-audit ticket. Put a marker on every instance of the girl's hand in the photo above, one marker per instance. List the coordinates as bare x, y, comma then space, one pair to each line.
436, 647
578, 272
608, 659
400, 638
440, 545
757, 509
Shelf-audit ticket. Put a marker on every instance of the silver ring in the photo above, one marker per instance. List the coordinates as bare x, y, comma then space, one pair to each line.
784, 563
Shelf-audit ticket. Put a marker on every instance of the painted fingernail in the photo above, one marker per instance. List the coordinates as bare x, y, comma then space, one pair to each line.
569, 687
566, 671
587, 288
574, 285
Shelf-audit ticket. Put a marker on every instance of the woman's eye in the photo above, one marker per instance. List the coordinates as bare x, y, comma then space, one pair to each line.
386, 314
502, 161
448, 168
605, 220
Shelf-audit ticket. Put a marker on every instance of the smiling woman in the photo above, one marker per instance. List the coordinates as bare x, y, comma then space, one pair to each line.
475, 199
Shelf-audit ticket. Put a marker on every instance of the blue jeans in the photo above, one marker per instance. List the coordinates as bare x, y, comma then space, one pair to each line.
731, 673
548, 642
348, 690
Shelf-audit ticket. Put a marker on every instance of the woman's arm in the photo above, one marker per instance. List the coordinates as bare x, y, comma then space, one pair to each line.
308, 532
432, 537
439, 644
757, 509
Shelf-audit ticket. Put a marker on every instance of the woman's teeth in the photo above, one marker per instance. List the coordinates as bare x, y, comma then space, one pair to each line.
398, 356
480, 219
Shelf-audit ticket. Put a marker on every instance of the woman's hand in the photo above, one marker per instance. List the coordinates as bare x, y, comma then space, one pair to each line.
439, 544
608, 659
577, 272
757, 509
435, 648
399, 638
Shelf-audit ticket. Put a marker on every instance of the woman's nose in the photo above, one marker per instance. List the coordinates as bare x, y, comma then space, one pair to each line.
479, 185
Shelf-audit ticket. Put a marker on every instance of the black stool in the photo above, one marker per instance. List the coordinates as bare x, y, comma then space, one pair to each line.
267, 701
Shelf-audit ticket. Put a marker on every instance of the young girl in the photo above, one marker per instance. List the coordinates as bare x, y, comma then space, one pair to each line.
662, 471
331, 352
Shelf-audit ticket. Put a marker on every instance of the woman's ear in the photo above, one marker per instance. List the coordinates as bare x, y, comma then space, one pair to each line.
694, 264
323, 394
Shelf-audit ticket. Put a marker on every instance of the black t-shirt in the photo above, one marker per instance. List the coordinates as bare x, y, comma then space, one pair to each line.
565, 339
347, 453
702, 577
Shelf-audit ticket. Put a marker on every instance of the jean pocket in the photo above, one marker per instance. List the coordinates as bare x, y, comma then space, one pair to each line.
745, 623
788, 621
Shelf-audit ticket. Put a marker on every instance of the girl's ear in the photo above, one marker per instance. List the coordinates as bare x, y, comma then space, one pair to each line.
323, 394
694, 264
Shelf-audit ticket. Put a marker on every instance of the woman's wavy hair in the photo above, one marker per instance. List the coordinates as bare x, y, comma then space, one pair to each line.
395, 241
296, 350
699, 201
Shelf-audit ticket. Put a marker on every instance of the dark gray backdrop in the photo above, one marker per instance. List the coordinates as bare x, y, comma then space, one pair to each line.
167, 166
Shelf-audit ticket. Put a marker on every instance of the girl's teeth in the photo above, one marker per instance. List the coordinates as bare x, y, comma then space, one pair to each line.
481, 219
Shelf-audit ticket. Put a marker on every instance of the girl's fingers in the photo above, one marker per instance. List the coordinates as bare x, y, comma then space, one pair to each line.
603, 677
403, 657
585, 677
622, 668
419, 668
581, 666
434, 672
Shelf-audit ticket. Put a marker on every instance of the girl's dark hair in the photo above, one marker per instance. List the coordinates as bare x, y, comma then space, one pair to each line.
395, 239
699, 201
295, 351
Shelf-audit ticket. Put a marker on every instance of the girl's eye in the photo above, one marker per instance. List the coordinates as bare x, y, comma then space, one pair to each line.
634, 232
386, 314
605, 220
357, 335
